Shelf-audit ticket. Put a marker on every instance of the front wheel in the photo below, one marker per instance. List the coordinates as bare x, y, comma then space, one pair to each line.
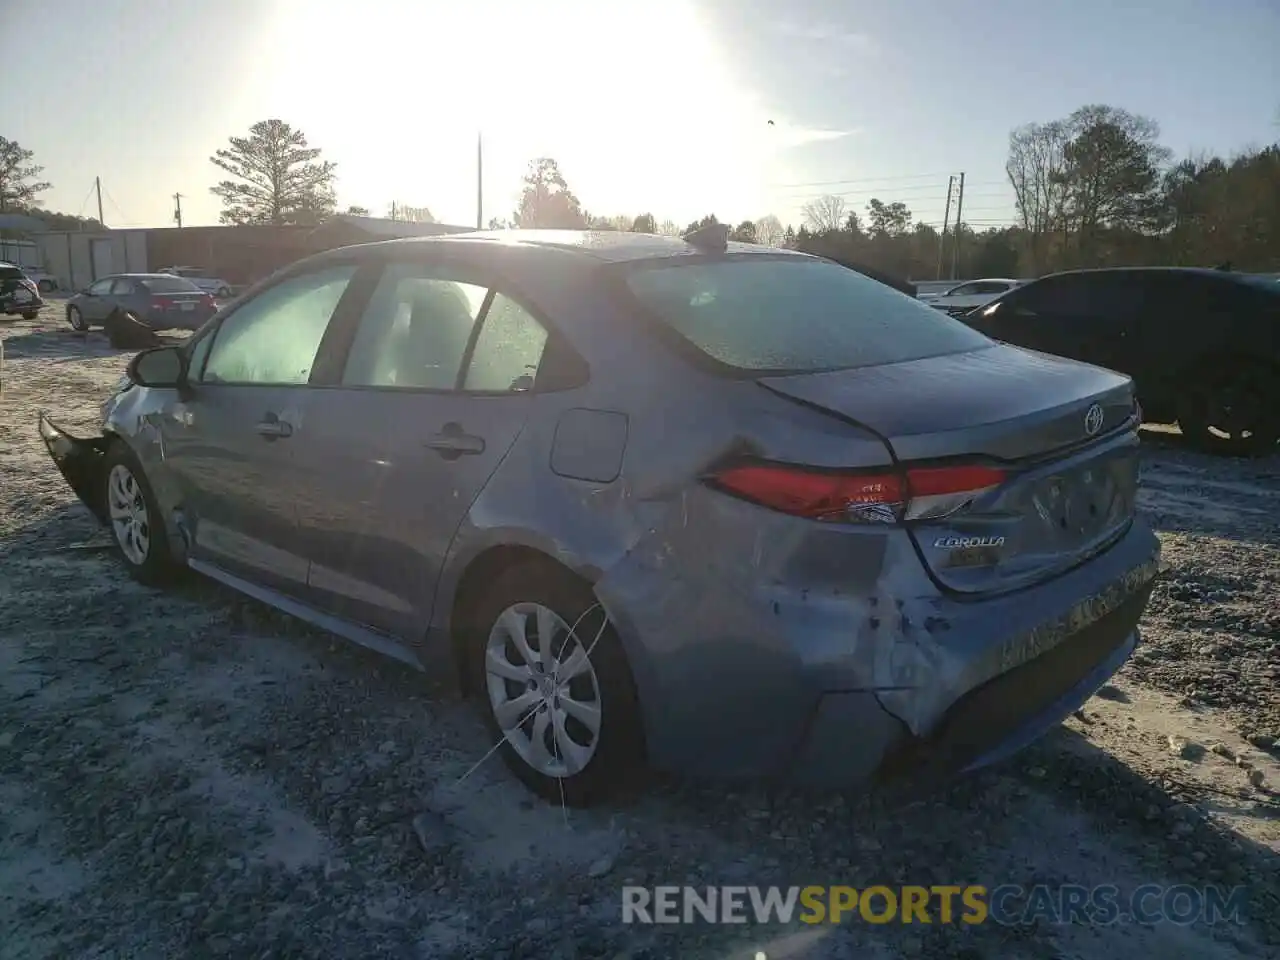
76, 319
555, 686
136, 523
1234, 410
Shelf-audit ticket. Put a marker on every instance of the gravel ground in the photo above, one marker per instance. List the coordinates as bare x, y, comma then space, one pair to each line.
189, 773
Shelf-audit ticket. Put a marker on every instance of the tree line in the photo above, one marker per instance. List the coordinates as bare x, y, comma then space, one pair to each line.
1095, 188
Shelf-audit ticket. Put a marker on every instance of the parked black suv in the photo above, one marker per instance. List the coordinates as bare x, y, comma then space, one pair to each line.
1203, 346
18, 295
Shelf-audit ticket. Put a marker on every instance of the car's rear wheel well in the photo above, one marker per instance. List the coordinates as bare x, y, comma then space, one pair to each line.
486, 568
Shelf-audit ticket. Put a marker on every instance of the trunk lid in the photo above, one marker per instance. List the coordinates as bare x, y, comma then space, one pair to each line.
1064, 432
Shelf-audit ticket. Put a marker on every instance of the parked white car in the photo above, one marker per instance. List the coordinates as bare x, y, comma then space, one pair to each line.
971, 294
201, 278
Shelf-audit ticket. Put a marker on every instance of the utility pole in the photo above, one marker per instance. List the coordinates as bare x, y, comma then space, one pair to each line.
955, 247
479, 182
946, 219
177, 209
393, 210
97, 186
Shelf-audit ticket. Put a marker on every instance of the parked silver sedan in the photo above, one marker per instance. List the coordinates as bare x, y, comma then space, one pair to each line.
157, 300
720, 508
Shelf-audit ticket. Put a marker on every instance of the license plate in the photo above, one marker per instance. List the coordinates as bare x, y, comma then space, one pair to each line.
188, 306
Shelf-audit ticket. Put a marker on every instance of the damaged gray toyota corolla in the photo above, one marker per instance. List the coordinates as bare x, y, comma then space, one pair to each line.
716, 509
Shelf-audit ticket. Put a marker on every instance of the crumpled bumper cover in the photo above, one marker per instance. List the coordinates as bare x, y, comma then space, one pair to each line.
79, 460
127, 327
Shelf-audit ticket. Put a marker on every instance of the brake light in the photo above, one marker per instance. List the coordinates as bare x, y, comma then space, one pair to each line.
164, 303
209, 300
879, 497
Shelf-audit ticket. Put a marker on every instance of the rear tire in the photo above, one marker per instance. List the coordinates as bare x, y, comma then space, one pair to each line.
134, 518
30, 316
542, 704
1233, 410
76, 319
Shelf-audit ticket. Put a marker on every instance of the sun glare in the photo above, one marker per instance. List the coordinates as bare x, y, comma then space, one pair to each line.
636, 100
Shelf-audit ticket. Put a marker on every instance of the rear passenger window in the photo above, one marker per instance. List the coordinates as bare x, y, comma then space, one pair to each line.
414, 332
508, 350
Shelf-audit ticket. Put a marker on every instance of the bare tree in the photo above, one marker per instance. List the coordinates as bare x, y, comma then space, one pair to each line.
824, 214
769, 231
1035, 168
18, 184
278, 178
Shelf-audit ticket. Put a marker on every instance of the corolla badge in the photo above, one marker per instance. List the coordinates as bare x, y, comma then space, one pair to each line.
965, 543
1093, 420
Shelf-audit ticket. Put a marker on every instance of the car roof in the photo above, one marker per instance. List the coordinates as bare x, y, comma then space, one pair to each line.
141, 276
1190, 271
606, 246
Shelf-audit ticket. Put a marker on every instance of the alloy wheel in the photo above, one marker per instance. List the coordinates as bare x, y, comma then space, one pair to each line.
543, 689
128, 510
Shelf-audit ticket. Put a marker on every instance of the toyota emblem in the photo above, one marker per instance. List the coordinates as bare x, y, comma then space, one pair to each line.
1093, 420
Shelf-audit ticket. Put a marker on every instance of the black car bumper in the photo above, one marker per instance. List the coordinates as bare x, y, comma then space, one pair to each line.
80, 462
11, 306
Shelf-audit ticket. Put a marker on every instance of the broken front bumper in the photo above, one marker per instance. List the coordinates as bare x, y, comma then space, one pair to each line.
80, 462
124, 327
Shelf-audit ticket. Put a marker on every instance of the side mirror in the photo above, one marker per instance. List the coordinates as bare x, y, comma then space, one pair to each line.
158, 367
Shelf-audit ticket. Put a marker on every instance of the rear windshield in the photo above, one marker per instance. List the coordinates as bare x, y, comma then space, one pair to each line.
1264, 281
793, 314
169, 285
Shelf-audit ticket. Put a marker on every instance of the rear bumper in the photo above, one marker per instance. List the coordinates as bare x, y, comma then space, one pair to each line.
1012, 711
12, 306
79, 460
1079, 650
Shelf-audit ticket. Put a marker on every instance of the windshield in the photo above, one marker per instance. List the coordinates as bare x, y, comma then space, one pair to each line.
794, 314
169, 285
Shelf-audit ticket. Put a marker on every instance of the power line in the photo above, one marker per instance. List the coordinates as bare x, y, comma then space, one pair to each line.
115, 206
85, 202
836, 183
914, 176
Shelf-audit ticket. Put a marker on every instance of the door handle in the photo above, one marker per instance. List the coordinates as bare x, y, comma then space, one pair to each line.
451, 442
271, 427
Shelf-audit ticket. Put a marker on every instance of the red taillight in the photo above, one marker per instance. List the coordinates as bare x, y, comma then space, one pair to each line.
915, 493
209, 300
164, 303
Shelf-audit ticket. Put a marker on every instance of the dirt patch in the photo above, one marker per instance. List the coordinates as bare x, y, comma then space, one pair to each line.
187, 773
